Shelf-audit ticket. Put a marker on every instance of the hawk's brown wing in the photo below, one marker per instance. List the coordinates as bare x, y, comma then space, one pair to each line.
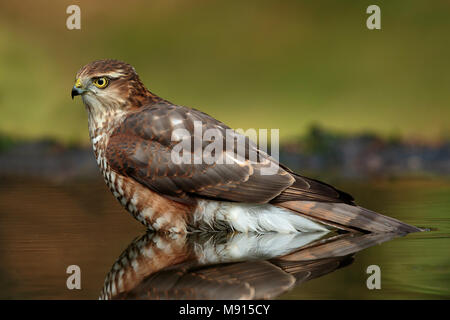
142, 148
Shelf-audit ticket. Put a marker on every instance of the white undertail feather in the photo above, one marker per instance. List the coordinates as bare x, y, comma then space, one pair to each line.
249, 246
260, 218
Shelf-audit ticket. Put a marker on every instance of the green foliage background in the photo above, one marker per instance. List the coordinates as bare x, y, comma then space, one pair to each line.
262, 64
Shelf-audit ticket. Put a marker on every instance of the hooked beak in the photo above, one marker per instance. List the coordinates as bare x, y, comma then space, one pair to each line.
76, 92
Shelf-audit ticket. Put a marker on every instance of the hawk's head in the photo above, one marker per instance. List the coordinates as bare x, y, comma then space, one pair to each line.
109, 85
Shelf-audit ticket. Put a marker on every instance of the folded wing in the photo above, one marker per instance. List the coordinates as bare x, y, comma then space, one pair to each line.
143, 147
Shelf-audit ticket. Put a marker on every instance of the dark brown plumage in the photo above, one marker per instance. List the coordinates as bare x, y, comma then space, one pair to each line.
132, 132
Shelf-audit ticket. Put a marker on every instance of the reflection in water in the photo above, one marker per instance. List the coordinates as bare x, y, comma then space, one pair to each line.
80, 223
229, 266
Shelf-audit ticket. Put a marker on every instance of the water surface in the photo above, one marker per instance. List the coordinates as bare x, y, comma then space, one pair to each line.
46, 226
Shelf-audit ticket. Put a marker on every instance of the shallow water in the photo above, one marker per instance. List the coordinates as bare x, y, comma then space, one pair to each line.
47, 226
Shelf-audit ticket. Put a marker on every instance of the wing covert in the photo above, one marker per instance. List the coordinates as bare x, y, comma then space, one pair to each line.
143, 148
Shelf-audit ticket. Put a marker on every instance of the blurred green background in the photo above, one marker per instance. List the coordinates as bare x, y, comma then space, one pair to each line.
260, 64
251, 64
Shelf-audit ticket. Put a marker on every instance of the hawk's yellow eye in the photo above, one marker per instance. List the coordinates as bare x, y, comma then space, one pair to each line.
101, 82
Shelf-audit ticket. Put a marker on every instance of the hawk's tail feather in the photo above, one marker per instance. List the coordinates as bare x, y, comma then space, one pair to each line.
348, 217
